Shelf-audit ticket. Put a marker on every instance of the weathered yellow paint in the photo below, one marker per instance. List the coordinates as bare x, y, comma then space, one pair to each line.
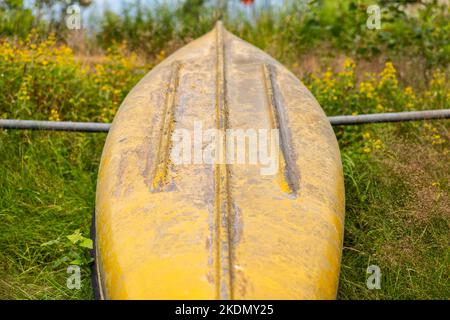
222, 231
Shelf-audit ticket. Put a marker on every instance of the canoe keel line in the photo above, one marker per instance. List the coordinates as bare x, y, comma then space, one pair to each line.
223, 201
166, 230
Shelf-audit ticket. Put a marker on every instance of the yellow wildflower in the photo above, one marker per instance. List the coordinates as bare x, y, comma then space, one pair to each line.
410, 92
349, 63
438, 78
54, 115
367, 89
388, 75
377, 144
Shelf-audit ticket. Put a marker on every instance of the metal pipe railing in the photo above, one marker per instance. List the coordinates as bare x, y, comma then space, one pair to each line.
54, 125
390, 117
334, 120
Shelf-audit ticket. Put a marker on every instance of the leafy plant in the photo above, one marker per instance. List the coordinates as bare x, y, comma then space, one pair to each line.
74, 248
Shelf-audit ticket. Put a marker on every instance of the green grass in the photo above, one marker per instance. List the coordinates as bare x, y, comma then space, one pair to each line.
397, 218
48, 189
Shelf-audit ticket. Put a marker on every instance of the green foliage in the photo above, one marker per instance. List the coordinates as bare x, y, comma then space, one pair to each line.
409, 28
340, 92
291, 30
45, 81
15, 20
142, 30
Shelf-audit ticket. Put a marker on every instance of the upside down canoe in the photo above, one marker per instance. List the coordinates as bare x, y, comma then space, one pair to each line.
177, 229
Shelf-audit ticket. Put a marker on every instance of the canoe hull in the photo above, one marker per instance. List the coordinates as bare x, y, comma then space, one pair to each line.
198, 230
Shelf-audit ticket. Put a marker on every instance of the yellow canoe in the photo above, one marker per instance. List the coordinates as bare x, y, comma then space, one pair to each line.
194, 229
